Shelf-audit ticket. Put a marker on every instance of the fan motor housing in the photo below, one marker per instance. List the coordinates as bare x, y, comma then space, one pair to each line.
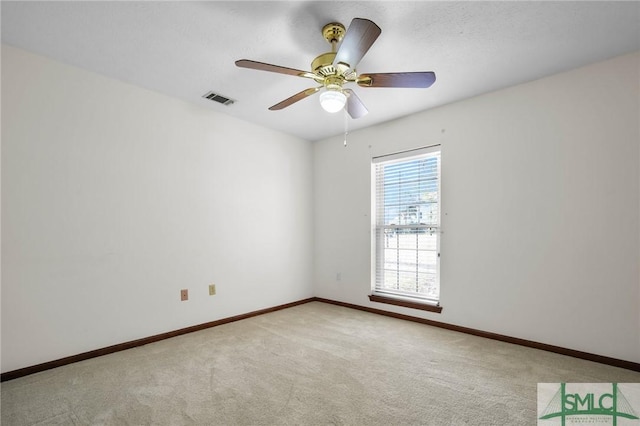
323, 64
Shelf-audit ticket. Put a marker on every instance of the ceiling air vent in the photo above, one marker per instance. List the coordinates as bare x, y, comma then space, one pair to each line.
218, 98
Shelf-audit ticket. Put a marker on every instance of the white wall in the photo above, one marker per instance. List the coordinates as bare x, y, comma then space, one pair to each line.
541, 209
114, 198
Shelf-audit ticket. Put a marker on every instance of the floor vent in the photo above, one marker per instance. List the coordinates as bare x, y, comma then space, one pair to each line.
218, 98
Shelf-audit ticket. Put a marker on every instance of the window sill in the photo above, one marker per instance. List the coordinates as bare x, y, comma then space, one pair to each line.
405, 303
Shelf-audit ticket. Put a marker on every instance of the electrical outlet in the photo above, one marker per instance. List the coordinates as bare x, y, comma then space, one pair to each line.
212, 289
184, 294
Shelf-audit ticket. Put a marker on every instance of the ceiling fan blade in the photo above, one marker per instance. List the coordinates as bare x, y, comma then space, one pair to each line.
295, 98
360, 36
398, 79
355, 107
261, 66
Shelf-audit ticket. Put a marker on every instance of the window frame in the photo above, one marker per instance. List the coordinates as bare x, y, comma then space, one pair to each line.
409, 301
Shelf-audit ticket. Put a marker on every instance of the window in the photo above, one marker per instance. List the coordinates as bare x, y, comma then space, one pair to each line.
406, 205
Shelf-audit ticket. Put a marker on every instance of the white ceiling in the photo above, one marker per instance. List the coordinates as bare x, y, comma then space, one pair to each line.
185, 49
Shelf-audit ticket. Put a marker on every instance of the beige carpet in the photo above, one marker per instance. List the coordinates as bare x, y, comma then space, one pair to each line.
314, 364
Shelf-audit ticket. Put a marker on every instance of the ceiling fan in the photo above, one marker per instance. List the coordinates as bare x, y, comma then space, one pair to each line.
333, 70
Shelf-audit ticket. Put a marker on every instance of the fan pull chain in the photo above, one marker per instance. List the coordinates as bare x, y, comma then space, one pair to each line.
346, 127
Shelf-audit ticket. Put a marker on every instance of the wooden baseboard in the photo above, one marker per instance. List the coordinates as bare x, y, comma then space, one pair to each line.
10, 375
629, 365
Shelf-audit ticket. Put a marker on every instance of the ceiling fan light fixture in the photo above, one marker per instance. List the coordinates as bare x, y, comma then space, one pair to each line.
332, 100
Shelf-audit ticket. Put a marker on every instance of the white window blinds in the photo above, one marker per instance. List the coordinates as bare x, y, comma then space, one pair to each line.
407, 224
